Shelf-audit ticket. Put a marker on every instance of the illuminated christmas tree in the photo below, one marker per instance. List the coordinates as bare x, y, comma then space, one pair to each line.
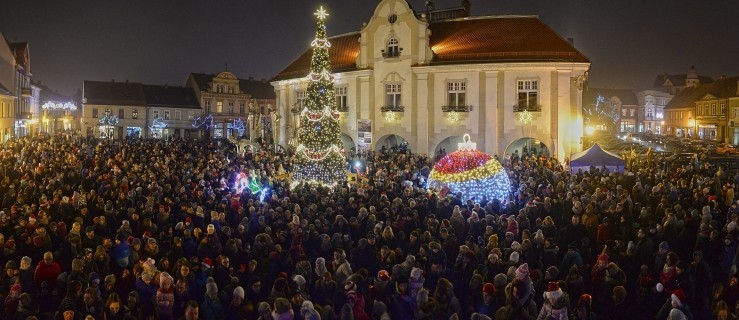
319, 157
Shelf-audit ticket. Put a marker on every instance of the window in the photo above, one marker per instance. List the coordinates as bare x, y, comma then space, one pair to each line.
392, 95
723, 109
94, 112
713, 109
632, 112
736, 112
207, 106
219, 88
231, 107
649, 113
528, 92
623, 111
135, 114
219, 106
705, 112
299, 99
242, 108
121, 113
178, 115
155, 114
456, 93
341, 98
190, 115
393, 48
166, 114
681, 115
230, 89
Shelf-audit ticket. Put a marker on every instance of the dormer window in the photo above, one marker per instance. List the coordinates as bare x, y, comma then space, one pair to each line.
219, 88
392, 49
230, 89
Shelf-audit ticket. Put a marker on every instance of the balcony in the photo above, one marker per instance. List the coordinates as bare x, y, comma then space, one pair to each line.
536, 108
392, 53
456, 108
342, 108
26, 92
392, 109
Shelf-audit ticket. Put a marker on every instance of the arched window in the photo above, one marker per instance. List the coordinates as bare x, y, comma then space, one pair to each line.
393, 48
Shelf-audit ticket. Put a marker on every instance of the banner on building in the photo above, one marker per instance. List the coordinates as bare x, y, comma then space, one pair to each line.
364, 134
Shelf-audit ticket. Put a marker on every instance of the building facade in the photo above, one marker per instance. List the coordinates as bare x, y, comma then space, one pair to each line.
7, 90
612, 110
113, 110
240, 108
652, 110
58, 113
170, 112
425, 83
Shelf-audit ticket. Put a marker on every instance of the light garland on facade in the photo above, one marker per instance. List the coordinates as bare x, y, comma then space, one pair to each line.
473, 173
205, 122
390, 116
453, 116
108, 120
59, 106
525, 117
158, 123
319, 157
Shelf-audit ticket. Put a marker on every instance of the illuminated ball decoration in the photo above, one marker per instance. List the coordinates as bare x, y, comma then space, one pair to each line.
473, 173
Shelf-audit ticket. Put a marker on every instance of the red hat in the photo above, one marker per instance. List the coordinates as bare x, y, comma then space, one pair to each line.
37, 241
603, 257
488, 288
188, 220
207, 262
129, 240
553, 291
678, 296
587, 298
383, 275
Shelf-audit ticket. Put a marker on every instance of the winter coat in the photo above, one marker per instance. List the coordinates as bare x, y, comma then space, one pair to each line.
165, 303
557, 311
46, 272
212, 310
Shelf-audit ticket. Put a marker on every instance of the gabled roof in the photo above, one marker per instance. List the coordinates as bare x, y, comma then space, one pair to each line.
677, 80
48, 94
114, 93
169, 96
720, 89
460, 41
258, 89
627, 96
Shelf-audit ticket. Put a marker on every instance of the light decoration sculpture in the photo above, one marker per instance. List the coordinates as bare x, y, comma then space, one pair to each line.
157, 126
473, 173
319, 157
108, 120
390, 116
205, 122
49, 105
525, 117
453, 116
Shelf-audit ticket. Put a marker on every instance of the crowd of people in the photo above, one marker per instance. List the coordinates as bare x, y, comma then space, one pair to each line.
152, 229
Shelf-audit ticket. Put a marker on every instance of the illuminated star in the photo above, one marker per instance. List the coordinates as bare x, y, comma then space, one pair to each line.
321, 14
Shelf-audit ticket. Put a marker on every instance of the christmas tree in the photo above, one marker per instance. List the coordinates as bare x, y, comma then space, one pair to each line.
319, 157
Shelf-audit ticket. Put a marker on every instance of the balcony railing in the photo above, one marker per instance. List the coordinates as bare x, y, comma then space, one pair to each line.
536, 108
456, 108
342, 108
391, 54
392, 108
296, 110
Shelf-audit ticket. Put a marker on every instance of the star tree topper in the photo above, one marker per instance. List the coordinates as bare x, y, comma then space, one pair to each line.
321, 13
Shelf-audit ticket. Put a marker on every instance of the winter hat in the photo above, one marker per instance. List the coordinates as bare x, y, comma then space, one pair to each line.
677, 314
346, 312
416, 273
239, 292
523, 271
146, 276
619, 294
211, 287
514, 257
602, 258
664, 246
552, 272
659, 287
350, 286
515, 246
263, 307
383, 275
165, 278
320, 266
207, 263
678, 296
500, 280
488, 288
299, 280
553, 291
307, 308
15, 288
282, 305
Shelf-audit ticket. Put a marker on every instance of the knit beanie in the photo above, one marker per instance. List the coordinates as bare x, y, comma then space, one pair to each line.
500, 280
346, 312
211, 288
523, 271
239, 292
514, 257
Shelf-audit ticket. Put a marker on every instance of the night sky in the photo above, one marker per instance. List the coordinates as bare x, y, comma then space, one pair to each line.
161, 41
